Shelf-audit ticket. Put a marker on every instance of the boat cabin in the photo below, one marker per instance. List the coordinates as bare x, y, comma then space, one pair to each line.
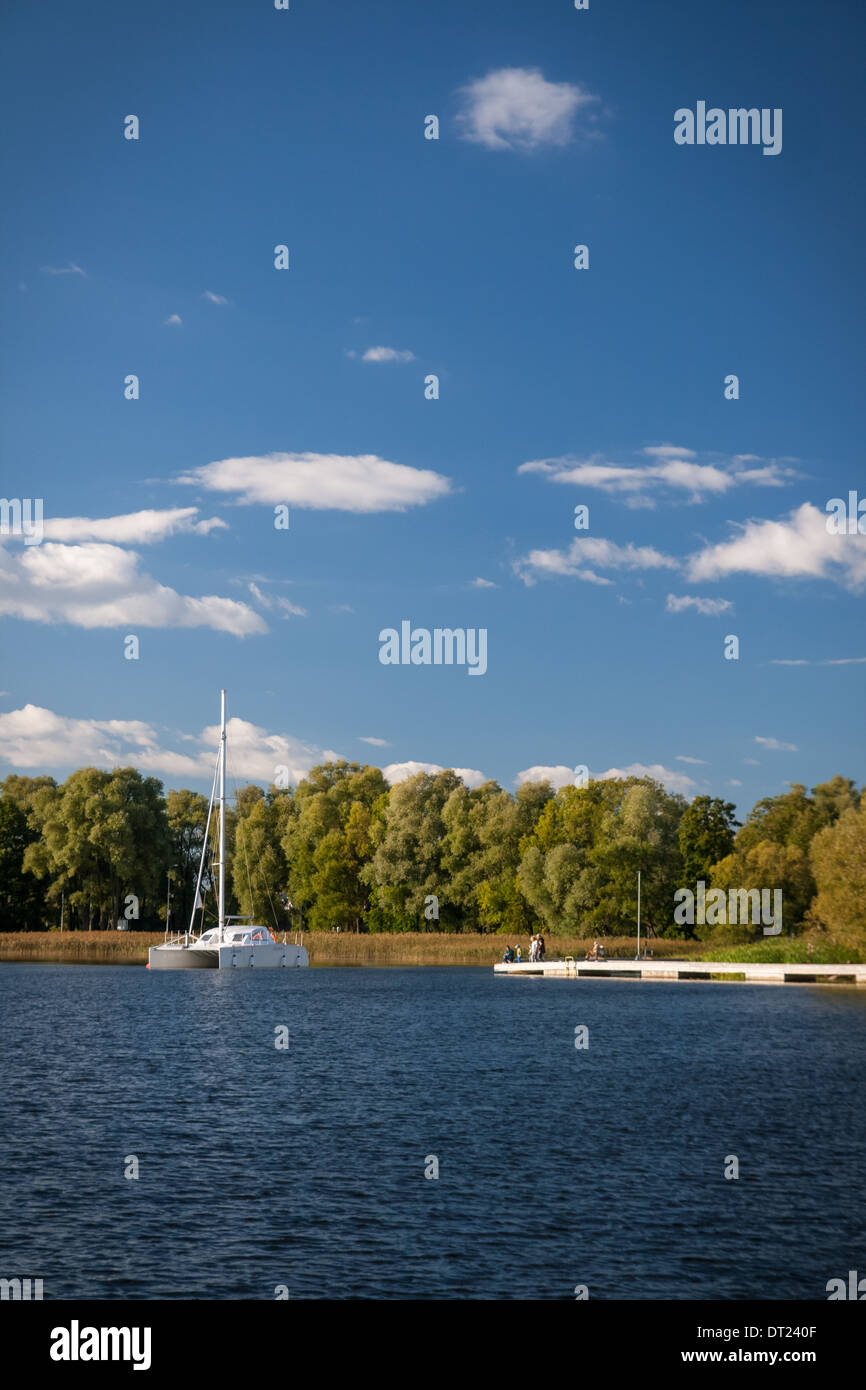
236, 936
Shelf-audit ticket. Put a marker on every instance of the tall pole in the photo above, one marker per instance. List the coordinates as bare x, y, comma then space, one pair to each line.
222, 882
638, 955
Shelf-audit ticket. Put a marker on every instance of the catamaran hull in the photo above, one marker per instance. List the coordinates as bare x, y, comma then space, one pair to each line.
258, 955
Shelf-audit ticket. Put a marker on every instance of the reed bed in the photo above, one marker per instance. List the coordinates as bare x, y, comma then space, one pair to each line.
330, 948
426, 948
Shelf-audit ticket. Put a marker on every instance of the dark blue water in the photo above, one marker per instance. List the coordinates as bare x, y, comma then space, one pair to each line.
305, 1168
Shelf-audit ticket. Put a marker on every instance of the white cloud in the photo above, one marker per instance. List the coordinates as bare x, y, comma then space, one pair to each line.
387, 354
69, 269
775, 746
173, 319
338, 482
255, 753
684, 758
34, 737
672, 780
734, 783
558, 776
751, 762
561, 776
274, 601
587, 554
709, 607
140, 528
94, 585
214, 298
376, 742
836, 661
518, 109
671, 468
484, 584
398, 772
799, 546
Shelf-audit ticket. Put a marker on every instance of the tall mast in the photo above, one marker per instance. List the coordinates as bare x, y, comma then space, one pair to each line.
222, 881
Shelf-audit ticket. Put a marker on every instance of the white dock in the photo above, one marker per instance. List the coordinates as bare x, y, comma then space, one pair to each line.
667, 969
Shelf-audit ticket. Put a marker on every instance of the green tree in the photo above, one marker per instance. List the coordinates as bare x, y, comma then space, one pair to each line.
838, 858
706, 835
22, 896
186, 814
328, 844
579, 867
104, 836
259, 871
411, 854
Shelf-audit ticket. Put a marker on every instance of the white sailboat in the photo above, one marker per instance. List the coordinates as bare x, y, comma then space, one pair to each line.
234, 943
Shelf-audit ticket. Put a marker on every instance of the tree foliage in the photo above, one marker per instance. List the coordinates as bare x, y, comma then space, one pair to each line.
349, 852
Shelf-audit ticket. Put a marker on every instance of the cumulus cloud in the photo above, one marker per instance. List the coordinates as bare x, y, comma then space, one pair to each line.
399, 772
139, 528
34, 737
173, 319
588, 554
775, 746
338, 482
797, 546
710, 607
672, 780
670, 468
558, 776
518, 109
561, 776
95, 585
484, 584
387, 354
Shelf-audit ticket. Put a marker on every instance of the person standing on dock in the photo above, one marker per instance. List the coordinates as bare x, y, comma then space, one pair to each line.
517, 953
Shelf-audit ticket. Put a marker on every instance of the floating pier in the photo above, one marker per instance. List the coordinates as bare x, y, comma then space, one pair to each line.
757, 973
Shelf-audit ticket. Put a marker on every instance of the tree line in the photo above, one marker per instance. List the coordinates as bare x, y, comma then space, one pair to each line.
343, 849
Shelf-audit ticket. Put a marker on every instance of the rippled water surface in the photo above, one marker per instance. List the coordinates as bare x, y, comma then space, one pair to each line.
305, 1167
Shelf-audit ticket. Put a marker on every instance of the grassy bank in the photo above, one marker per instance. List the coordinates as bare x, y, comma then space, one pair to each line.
419, 948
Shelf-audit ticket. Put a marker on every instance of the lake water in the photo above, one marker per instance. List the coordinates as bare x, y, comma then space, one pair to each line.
305, 1167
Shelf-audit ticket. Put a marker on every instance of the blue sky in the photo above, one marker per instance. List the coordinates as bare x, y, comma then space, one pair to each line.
306, 128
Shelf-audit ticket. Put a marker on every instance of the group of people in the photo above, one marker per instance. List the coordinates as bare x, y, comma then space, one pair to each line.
512, 954
597, 952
